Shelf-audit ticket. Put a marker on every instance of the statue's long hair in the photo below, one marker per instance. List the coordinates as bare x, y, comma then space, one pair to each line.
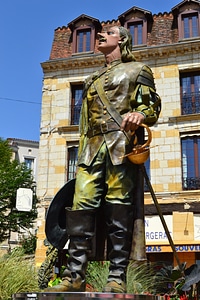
126, 45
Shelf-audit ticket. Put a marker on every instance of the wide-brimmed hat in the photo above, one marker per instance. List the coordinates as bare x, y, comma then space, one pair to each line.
55, 226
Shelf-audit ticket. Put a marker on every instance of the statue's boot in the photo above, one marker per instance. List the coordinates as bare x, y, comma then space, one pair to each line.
80, 226
119, 221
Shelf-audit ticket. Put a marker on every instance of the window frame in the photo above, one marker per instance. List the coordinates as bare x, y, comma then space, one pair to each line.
135, 23
190, 159
72, 150
76, 32
181, 17
75, 116
190, 107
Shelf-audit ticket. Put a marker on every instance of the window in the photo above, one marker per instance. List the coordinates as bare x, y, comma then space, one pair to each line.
147, 166
190, 93
29, 162
190, 25
72, 160
191, 162
76, 103
136, 31
83, 42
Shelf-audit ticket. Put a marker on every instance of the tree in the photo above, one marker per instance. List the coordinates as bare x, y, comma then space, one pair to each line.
14, 175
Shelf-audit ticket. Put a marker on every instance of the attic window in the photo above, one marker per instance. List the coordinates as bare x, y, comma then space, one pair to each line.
189, 25
138, 31
83, 40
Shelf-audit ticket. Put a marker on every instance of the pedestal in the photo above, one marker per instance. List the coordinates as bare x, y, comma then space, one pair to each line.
82, 296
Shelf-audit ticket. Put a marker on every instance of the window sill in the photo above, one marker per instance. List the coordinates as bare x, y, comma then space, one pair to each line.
68, 128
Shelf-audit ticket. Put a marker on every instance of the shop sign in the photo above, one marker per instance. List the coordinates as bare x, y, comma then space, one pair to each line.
197, 227
178, 248
154, 230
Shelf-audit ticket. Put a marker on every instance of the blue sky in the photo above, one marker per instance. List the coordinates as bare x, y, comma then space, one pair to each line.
26, 35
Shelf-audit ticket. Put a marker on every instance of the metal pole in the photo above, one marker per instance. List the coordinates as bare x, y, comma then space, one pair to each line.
160, 214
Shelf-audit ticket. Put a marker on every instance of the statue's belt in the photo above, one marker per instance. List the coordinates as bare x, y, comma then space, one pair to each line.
102, 128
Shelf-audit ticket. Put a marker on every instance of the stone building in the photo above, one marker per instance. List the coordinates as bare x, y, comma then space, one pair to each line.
24, 151
169, 42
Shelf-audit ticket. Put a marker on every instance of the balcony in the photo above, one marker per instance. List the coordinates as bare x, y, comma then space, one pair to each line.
191, 183
190, 103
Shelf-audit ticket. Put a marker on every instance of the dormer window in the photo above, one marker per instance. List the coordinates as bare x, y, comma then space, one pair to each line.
190, 25
83, 33
137, 32
187, 14
83, 40
137, 20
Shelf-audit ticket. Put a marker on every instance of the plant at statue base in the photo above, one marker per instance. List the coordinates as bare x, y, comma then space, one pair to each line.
139, 277
96, 275
45, 272
17, 274
179, 283
54, 281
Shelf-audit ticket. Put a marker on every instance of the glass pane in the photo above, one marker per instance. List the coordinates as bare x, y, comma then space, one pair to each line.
80, 42
136, 31
190, 162
194, 26
83, 40
139, 34
72, 160
29, 163
190, 91
131, 29
186, 95
77, 91
186, 27
87, 41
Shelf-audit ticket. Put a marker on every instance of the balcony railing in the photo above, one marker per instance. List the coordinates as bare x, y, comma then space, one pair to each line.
190, 103
191, 183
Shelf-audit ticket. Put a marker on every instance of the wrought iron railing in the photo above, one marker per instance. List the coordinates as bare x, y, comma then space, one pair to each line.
190, 103
191, 183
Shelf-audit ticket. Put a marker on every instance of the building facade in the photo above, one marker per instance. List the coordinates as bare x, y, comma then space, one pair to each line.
169, 42
24, 151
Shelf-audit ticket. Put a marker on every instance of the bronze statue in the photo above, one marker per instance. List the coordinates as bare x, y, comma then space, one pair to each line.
116, 101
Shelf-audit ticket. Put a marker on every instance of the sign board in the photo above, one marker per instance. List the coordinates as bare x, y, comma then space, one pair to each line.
24, 199
197, 227
154, 230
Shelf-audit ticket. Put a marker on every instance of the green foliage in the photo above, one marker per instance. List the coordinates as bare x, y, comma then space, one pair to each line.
96, 275
17, 274
179, 282
13, 175
29, 244
45, 273
141, 278
56, 280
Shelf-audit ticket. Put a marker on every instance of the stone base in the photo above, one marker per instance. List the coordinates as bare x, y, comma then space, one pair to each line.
81, 296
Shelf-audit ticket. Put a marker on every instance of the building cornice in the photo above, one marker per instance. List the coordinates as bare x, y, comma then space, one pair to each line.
88, 60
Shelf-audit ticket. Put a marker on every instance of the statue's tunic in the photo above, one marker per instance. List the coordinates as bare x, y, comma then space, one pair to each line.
129, 87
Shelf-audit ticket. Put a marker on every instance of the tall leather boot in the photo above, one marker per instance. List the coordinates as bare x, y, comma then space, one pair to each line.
80, 225
119, 220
